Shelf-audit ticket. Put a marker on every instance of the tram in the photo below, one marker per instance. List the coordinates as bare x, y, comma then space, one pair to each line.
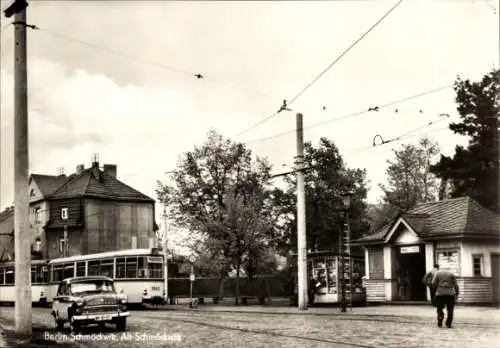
39, 282
138, 273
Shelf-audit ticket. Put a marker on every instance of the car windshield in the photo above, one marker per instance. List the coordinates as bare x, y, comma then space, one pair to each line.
92, 286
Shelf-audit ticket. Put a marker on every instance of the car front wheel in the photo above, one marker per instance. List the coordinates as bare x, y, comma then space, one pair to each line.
121, 324
75, 325
59, 323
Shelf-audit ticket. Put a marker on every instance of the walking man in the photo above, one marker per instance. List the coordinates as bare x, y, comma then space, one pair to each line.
428, 282
446, 287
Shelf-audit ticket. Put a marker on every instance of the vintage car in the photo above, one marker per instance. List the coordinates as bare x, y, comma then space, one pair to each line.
89, 300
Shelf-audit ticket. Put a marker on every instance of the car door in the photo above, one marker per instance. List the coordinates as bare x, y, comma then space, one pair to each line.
56, 302
63, 301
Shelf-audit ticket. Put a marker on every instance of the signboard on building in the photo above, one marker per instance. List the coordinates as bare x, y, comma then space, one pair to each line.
410, 249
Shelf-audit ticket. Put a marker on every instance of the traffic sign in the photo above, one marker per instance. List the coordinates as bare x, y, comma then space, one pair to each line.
191, 277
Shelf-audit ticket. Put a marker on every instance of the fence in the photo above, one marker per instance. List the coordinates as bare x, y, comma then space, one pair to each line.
263, 286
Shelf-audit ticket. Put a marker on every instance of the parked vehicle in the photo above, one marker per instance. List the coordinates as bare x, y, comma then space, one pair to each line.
138, 272
82, 301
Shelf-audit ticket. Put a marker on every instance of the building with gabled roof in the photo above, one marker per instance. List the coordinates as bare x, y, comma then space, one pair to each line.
98, 213
458, 234
89, 211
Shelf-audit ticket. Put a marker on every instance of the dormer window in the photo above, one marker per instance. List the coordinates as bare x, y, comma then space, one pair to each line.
64, 213
32, 193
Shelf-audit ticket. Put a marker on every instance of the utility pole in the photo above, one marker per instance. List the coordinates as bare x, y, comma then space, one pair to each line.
165, 254
301, 218
342, 271
21, 171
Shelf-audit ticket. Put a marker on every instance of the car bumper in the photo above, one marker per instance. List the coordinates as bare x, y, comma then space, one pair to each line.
100, 317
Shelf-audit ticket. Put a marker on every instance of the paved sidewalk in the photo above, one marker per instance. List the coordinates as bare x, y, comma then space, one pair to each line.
8, 338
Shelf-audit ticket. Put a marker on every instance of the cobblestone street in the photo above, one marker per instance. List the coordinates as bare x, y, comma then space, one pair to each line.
212, 326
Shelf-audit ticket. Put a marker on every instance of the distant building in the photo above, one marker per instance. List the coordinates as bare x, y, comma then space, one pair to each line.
458, 234
7, 234
98, 212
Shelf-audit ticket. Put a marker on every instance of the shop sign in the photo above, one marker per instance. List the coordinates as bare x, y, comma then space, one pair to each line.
410, 249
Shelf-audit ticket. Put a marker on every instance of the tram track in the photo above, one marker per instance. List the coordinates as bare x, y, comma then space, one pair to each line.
399, 319
260, 332
207, 320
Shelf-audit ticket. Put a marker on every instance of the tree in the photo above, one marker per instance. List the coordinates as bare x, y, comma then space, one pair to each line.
325, 180
410, 180
473, 171
223, 196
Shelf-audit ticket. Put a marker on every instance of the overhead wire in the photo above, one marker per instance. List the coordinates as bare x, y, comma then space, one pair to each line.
197, 75
345, 52
288, 103
407, 135
354, 114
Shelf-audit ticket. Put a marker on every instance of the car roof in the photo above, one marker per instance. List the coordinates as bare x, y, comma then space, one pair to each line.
76, 279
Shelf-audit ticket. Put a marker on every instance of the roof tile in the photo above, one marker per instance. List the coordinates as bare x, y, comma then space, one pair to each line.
48, 184
95, 183
460, 215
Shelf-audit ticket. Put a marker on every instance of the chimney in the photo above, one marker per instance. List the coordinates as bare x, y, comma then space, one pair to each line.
110, 169
79, 169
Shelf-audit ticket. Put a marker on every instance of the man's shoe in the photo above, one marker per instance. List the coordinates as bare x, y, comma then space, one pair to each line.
448, 326
440, 324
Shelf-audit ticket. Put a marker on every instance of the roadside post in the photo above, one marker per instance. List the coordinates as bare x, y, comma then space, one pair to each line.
192, 303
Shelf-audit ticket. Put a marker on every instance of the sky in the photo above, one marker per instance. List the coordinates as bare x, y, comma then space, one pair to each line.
117, 78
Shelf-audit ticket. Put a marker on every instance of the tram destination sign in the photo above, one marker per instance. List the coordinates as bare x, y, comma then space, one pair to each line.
410, 249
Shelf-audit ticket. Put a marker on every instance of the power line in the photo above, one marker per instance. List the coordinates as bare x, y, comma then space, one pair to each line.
344, 53
285, 103
354, 114
404, 136
197, 75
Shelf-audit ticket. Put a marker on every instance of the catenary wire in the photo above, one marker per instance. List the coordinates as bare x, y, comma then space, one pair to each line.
354, 114
404, 136
344, 53
198, 75
286, 104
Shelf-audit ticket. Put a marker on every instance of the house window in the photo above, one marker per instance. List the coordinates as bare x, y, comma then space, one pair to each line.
477, 265
37, 214
64, 213
38, 245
